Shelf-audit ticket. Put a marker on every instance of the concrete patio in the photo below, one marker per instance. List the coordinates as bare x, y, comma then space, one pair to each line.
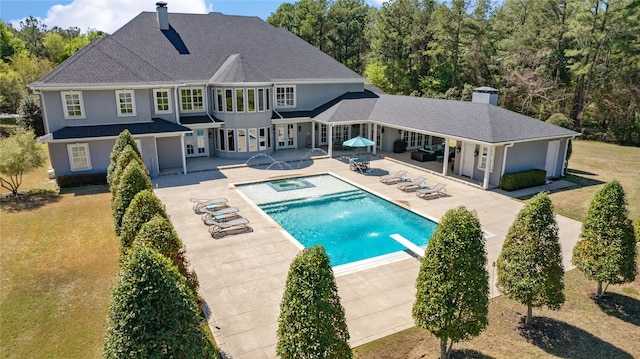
242, 276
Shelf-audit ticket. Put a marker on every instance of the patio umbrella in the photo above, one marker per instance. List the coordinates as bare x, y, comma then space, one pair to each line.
358, 142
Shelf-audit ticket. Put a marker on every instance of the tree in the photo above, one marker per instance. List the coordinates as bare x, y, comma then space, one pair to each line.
159, 234
346, 35
21, 154
9, 42
312, 323
31, 115
152, 313
452, 299
124, 139
144, 206
530, 262
606, 251
11, 89
134, 179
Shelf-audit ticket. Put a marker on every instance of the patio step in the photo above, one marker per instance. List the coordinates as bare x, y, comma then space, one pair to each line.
341, 196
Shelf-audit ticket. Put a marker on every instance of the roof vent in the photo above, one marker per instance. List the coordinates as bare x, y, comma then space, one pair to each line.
163, 15
485, 95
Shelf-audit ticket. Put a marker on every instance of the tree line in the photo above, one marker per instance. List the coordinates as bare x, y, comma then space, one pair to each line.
576, 58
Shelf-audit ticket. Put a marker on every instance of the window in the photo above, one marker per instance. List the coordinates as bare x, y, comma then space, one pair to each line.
231, 145
79, 158
260, 100
251, 100
125, 102
285, 96
219, 100
162, 101
72, 104
228, 94
263, 138
253, 139
482, 162
221, 139
240, 100
192, 99
268, 97
242, 140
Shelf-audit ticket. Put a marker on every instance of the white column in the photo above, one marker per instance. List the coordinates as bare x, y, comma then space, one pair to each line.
487, 167
375, 137
330, 139
445, 160
313, 134
184, 155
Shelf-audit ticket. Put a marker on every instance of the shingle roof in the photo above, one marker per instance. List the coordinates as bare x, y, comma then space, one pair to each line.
470, 120
155, 127
193, 50
238, 69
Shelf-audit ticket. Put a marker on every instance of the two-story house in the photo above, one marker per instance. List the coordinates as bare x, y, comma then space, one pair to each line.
188, 85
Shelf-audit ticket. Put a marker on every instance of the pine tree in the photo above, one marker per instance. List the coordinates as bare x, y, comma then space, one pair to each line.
312, 322
530, 263
452, 299
607, 251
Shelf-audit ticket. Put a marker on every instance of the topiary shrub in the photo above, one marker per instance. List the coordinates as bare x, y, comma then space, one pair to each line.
159, 234
127, 155
452, 288
312, 322
523, 179
152, 313
124, 139
85, 179
141, 210
561, 120
134, 179
606, 251
530, 263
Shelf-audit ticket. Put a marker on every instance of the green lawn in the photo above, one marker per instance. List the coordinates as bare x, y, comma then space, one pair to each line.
60, 257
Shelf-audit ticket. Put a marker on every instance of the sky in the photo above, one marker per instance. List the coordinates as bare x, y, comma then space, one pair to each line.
110, 15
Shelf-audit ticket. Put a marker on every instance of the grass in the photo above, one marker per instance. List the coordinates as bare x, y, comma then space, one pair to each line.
582, 328
59, 259
593, 164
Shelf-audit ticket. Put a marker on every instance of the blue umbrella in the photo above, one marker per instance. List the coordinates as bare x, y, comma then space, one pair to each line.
358, 142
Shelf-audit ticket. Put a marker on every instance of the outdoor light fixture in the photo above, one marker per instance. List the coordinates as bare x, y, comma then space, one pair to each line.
299, 128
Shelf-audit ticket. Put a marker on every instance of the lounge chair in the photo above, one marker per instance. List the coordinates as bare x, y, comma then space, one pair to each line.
438, 189
396, 177
197, 202
212, 205
411, 185
238, 225
220, 215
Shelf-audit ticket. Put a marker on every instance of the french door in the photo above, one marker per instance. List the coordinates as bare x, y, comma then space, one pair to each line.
196, 143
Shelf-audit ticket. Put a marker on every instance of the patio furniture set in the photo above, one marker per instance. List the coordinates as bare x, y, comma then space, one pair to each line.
418, 185
220, 217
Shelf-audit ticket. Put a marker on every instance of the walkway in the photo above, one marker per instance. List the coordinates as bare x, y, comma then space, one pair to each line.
242, 276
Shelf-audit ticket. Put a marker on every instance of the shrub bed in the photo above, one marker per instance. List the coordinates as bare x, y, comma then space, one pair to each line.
523, 179
84, 179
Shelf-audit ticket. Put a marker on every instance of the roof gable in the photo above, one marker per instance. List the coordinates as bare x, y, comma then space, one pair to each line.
238, 69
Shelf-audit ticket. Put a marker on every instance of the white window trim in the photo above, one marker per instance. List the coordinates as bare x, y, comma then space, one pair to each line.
203, 94
255, 97
70, 154
155, 100
133, 103
483, 154
216, 105
284, 87
65, 112
233, 100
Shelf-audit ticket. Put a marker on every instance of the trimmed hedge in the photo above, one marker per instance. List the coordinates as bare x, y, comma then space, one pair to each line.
523, 179
84, 179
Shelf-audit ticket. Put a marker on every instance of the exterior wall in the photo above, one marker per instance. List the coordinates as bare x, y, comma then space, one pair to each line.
99, 152
310, 96
526, 155
169, 152
99, 109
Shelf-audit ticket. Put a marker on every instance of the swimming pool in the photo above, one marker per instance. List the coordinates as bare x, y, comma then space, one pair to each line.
352, 224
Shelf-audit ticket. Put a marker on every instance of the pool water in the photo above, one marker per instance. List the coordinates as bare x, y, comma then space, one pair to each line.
352, 224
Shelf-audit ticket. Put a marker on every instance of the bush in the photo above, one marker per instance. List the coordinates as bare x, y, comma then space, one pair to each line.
160, 235
85, 179
523, 179
134, 180
312, 322
152, 313
141, 210
127, 155
122, 141
561, 120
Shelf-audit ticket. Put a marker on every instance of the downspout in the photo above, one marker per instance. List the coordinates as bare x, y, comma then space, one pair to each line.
504, 158
175, 100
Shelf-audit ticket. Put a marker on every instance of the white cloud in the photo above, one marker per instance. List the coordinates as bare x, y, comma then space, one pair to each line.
110, 15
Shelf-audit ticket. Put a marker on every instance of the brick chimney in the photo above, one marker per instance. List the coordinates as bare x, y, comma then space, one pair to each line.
485, 95
163, 15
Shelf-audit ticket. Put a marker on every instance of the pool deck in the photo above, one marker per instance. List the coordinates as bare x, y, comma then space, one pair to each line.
242, 276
